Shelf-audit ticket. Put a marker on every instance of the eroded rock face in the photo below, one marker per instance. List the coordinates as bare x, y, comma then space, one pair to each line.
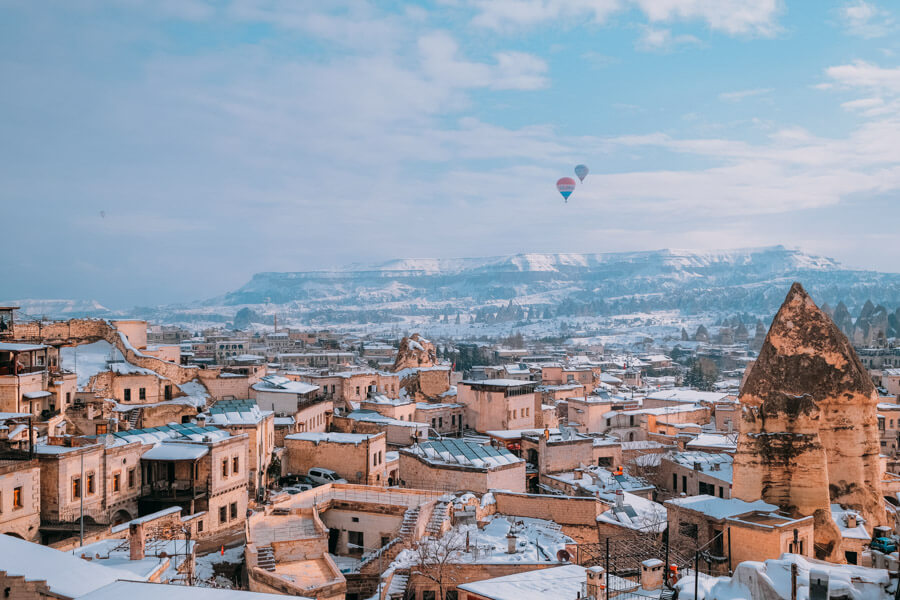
415, 351
809, 428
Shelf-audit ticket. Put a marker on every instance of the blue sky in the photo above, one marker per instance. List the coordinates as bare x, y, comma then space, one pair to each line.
164, 150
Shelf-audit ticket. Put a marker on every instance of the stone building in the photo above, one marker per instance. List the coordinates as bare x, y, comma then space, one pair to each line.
356, 457
754, 531
452, 464
695, 473
809, 429
106, 477
499, 403
20, 498
244, 417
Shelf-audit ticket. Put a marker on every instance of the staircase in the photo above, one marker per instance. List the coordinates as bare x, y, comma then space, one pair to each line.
436, 522
667, 593
408, 525
397, 589
134, 416
265, 558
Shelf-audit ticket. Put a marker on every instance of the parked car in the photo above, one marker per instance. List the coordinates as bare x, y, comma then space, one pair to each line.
321, 476
297, 488
883, 544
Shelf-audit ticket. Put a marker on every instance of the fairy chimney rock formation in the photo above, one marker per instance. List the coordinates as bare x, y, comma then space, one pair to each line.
809, 428
415, 351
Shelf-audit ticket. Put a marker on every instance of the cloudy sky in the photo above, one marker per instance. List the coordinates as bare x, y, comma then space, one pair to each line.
163, 150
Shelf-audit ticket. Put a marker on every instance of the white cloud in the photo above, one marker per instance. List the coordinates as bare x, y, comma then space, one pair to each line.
654, 39
739, 95
866, 20
733, 17
512, 71
511, 14
861, 74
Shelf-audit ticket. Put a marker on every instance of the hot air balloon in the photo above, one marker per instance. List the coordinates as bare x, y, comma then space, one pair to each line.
566, 186
582, 171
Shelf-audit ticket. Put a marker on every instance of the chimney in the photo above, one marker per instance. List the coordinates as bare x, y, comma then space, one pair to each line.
511, 541
113, 426
851, 520
201, 420
620, 498
136, 541
652, 574
595, 585
696, 465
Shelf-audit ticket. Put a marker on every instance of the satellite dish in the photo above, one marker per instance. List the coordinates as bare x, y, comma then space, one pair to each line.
563, 555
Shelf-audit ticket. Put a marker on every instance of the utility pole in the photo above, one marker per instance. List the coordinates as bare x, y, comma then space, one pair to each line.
81, 509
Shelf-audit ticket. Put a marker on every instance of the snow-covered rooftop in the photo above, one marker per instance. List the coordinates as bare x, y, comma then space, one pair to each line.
463, 452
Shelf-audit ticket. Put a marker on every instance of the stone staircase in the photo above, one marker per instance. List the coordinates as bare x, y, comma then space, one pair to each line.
134, 417
438, 517
408, 525
399, 582
265, 558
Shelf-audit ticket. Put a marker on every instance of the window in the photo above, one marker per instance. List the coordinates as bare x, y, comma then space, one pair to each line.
688, 529
200, 526
168, 392
357, 390
235, 465
674, 482
684, 483
433, 423
355, 540
17, 497
721, 492
604, 461
126, 395
90, 483
131, 478
142, 393
429, 595
631, 420
116, 482
68, 397
440, 421
234, 510
224, 467
453, 420
451, 595
76, 488
223, 514
102, 428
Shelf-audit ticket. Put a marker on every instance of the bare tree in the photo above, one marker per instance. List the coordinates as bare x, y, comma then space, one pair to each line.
438, 559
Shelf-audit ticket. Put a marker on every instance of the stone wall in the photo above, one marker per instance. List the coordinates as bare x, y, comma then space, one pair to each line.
415, 472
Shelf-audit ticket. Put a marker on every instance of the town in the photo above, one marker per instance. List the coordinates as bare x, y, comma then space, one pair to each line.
280, 461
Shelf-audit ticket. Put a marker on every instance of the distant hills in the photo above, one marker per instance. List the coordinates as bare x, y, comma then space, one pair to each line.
750, 281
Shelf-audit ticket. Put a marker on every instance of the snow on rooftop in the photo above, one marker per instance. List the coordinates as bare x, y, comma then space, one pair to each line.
277, 383
463, 452
714, 440
556, 582
336, 438
721, 508
687, 396
66, 575
175, 451
133, 590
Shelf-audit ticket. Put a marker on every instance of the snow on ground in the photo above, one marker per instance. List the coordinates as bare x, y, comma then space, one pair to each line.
205, 566
88, 359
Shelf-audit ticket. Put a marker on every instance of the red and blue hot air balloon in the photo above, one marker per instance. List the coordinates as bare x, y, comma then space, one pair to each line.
566, 186
582, 171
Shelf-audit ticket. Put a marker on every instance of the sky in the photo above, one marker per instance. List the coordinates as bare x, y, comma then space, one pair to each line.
158, 151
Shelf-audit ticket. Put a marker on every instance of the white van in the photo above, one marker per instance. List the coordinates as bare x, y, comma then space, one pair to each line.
321, 476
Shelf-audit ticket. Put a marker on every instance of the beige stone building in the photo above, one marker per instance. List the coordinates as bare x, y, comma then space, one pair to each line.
244, 417
499, 404
100, 481
20, 498
749, 530
460, 465
356, 457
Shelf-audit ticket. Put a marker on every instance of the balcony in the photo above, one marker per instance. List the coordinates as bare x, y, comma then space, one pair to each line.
178, 490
